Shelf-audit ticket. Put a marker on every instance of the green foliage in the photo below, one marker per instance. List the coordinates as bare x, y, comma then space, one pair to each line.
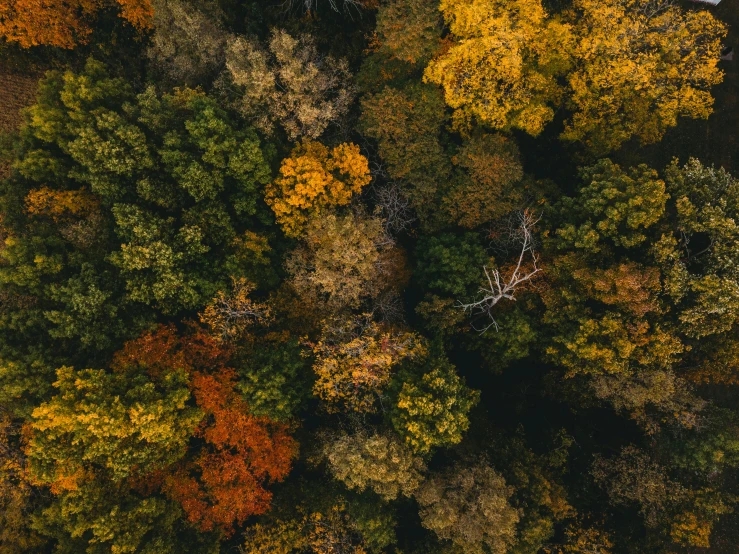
450, 264
120, 423
179, 178
700, 269
431, 405
81, 520
375, 520
274, 378
538, 483
614, 207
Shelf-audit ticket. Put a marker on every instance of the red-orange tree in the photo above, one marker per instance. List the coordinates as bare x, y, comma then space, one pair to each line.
62, 23
129, 428
222, 482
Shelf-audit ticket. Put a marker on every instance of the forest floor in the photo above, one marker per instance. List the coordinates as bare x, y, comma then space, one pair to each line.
16, 92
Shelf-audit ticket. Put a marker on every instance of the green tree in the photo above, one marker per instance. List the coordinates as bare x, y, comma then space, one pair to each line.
614, 206
274, 377
450, 264
431, 405
177, 176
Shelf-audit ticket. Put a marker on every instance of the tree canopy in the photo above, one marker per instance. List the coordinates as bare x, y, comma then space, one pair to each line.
368, 277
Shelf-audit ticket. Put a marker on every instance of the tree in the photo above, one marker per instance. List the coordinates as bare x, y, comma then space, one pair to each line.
177, 178
491, 188
633, 477
64, 24
407, 123
700, 267
101, 434
223, 485
448, 263
410, 29
275, 376
469, 506
380, 462
100, 516
188, 45
141, 425
354, 362
230, 315
343, 261
584, 540
322, 525
503, 67
538, 483
685, 514
615, 206
640, 282
289, 83
16, 492
640, 65
431, 406
524, 270
313, 180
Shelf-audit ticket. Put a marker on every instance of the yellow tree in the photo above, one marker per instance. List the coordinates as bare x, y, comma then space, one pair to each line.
503, 65
354, 362
641, 64
313, 179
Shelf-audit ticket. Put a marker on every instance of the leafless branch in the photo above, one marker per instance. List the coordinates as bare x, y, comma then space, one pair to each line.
394, 207
500, 287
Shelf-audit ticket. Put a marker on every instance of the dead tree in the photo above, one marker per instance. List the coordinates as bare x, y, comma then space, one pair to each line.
229, 315
501, 287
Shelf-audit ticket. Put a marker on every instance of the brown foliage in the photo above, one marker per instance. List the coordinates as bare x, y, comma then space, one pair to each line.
289, 83
15, 491
344, 260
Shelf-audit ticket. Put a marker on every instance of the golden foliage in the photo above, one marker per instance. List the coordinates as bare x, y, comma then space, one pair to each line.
503, 67
62, 23
354, 360
314, 179
331, 533
58, 204
640, 66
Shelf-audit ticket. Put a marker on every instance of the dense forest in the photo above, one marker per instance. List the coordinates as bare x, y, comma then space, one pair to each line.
369, 276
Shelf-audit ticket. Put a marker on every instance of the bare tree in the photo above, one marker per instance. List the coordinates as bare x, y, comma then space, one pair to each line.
312, 5
501, 287
230, 314
394, 207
